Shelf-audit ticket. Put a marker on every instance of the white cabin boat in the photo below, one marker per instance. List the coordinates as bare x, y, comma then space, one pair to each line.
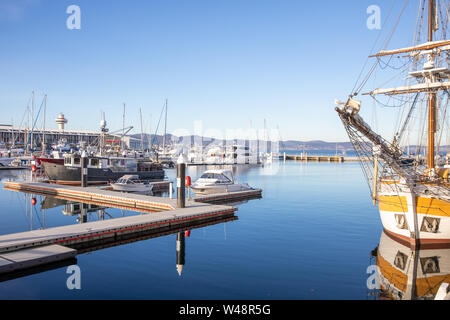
217, 181
132, 183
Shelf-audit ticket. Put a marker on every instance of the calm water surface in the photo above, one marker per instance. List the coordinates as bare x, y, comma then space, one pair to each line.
309, 237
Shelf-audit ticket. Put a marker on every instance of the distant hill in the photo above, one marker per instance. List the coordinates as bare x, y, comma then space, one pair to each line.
284, 145
289, 145
315, 145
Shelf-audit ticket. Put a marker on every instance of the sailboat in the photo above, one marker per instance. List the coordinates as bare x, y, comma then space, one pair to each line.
413, 196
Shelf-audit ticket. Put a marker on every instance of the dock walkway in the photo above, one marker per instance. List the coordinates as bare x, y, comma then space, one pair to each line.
91, 231
164, 216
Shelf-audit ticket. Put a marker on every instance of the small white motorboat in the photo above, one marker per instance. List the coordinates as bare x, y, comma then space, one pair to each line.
217, 181
5, 161
132, 183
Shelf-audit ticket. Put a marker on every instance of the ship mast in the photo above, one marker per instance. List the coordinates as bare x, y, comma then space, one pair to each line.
431, 97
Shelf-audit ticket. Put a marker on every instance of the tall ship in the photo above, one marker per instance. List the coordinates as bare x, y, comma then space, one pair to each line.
411, 189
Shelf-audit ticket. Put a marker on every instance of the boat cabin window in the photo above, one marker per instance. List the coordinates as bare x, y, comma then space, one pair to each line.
67, 160
222, 179
76, 160
217, 176
94, 162
207, 176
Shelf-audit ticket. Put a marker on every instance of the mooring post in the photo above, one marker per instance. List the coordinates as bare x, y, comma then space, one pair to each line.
84, 169
170, 189
180, 252
181, 183
83, 215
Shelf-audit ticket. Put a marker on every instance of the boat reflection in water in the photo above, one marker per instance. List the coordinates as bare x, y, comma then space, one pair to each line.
82, 209
405, 273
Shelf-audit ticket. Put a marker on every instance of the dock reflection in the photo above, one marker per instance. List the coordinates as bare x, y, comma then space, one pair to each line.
406, 273
86, 212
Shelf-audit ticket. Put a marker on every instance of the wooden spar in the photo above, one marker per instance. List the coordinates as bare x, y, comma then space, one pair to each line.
430, 20
425, 46
431, 99
421, 87
375, 181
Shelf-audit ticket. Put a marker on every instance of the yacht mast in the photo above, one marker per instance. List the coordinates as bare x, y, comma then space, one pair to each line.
43, 129
142, 130
32, 120
123, 129
165, 131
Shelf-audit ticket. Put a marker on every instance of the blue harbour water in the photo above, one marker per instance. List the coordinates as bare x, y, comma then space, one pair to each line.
309, 237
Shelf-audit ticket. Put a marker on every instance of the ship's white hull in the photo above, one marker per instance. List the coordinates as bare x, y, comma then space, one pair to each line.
198, 189
416, 218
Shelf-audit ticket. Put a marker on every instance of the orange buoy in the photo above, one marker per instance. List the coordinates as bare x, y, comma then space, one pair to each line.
188, 181
187, 233
33, 168
33, 201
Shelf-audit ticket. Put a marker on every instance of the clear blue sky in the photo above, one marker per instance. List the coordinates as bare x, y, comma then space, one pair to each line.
225, 62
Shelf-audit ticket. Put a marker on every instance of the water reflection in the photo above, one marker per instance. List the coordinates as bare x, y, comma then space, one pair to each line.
404, 273
88, 212
181, 250
83, 212
83, 209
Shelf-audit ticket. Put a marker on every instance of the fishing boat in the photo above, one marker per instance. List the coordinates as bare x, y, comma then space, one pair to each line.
132, 183
413, 198
217, 181
100, 169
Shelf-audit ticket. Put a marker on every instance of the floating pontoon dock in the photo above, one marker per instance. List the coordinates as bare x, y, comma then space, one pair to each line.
37, 247
302, 157
229, 196
13, 168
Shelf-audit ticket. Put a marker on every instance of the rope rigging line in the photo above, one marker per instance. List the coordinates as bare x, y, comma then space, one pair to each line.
373, 47
366, 78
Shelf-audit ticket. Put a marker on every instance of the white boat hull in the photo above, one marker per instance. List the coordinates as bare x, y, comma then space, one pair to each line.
413, 218
4, 161
130, 188
219, 189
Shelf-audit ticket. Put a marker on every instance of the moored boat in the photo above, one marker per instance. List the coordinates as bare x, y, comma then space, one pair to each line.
413, 198
217, 181
100, 169
132, 183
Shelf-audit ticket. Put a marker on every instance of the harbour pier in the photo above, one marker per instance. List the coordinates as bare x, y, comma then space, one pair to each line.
35, 248
312, 158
